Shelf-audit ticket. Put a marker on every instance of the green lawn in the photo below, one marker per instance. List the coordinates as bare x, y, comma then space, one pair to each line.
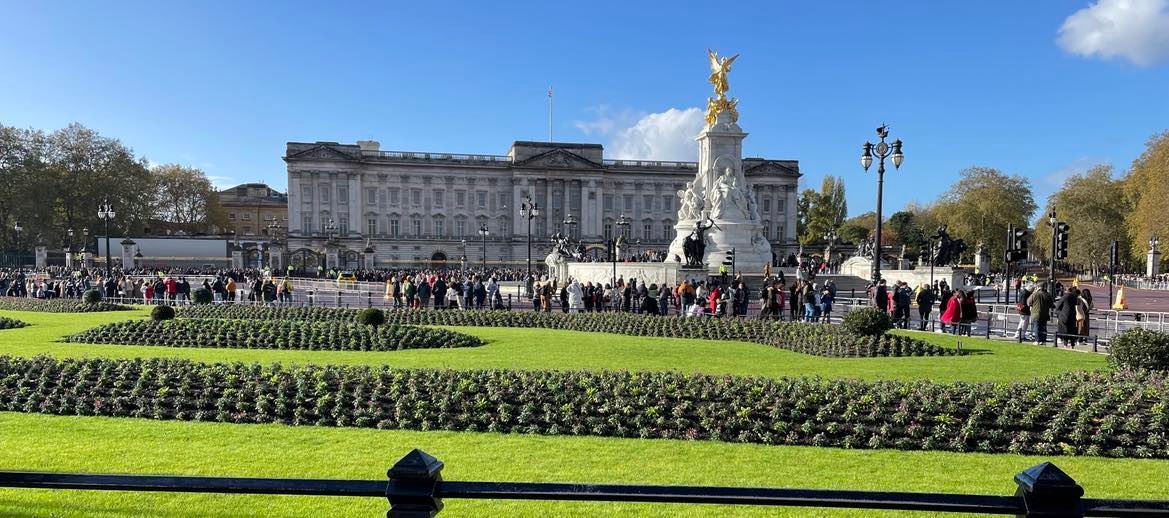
570, 350
93, 444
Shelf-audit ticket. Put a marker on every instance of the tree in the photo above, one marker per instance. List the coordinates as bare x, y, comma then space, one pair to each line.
822, 211
186, 199
1095, 206
1147, 193
981, 204
858, 228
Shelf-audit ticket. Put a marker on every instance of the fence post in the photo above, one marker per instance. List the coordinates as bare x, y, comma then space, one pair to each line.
369, 299
1048, 491
989, 322
413, 484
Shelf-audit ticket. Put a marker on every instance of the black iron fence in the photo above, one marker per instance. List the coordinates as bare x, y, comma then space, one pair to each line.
415, 489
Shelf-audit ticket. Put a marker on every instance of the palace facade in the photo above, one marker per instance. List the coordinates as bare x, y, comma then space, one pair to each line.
360, 205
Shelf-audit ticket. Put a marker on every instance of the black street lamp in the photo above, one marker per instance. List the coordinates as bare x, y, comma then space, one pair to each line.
19, 261
882, 151
622, 228
483, 233
463, 254
105, 212
529, 210
84, 245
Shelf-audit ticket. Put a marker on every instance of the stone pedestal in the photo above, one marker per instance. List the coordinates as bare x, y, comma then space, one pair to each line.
237, 259
128, 249
42, 256
332, 257
982, 262
276, 258
1153, 263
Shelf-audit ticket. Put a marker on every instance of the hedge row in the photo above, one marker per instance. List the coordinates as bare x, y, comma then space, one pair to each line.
1116, 414
272, 334
57, 305
11, 323
816, 339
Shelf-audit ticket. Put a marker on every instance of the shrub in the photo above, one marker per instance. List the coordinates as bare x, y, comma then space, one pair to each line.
57, 305
867, 322
201, 296
1140, 349
1116, 414
272, 334
91, 296
11, 323
818, 339
160, 313
371, 317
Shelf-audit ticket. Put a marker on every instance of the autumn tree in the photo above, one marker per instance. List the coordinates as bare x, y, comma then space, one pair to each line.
821, 211
858, 228
1095, 206
980, 206
185, 199
1146, 187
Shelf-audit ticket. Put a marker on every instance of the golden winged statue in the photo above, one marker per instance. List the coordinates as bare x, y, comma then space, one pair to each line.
718, 77
718, 72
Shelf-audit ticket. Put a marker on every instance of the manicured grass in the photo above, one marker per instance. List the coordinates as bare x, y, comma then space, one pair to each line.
510, 348
92, 444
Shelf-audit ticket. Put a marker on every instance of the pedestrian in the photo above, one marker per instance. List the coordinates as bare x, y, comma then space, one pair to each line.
1040, 303
826, 300
952, 316
1065, 315
925, 305
575, 296
1024, 315
969, 314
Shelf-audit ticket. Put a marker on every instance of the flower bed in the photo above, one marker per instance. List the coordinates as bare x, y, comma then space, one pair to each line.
1116, 414
816, 339
57, 305
272, 334
11, 323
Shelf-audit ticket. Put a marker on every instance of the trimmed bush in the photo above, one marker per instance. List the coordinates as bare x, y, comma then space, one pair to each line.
1140, 349
371, 317
11, 323
57, 305
807, 338
201, 296
1113, 414
867, 322
91, 296
161, 313
272, 334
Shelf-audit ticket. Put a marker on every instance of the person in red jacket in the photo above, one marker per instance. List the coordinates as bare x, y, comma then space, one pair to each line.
712, 300
952, 315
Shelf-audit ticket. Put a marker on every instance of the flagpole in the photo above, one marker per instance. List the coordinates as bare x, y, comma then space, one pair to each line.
549, 114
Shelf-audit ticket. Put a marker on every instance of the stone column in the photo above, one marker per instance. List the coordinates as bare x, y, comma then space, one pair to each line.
42, 256
237, 258
276, 257
68, 259
1153, 263
332, 256
982, 261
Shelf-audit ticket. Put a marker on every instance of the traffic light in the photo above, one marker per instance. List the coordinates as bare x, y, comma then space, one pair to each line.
1061, 240
1016, 244
730, 259
1114, 255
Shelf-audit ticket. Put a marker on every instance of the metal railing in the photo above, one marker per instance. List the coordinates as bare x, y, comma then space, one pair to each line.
656, 164
419, 155
415, 489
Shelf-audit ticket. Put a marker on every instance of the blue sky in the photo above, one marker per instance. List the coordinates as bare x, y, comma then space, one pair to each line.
223, 86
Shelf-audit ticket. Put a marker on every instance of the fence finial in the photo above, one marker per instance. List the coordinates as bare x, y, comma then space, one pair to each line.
412, 490
1049, 492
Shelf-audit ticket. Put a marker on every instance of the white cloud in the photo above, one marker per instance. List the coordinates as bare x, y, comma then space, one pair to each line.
1079, 166
667, 135
222, 182
1136, 30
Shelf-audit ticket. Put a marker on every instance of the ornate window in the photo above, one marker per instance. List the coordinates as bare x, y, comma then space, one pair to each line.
371, 227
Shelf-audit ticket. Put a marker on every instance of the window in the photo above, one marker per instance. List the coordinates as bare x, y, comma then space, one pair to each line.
437, 198
767, 207
306, 224
608, 231
306, 193
460, 228
666, 228
438, 228
481, 199
371, 226
647, 202
608, 203
343, 194
504, 200
394, 227
231, 216
629, 202
247, 216
779, 206
371, 196
394, 193
541, 227
779, 233
667, 203
460, 199
647, 231
416, 197
343, 226
417, 224
325, 193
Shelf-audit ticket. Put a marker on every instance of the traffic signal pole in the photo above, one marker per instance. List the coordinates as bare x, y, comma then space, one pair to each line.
1051, 273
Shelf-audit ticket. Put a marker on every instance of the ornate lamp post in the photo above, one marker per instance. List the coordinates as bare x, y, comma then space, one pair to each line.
273, 236
105, 212
831, 238
483, 233
622, 228
529, 210
84, 245
882, 151
19, 262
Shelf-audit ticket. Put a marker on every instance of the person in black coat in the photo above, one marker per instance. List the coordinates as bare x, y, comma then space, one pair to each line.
1065, 316
439, 293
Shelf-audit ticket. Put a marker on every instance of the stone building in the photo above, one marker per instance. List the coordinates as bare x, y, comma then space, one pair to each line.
416, 208
252, 207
